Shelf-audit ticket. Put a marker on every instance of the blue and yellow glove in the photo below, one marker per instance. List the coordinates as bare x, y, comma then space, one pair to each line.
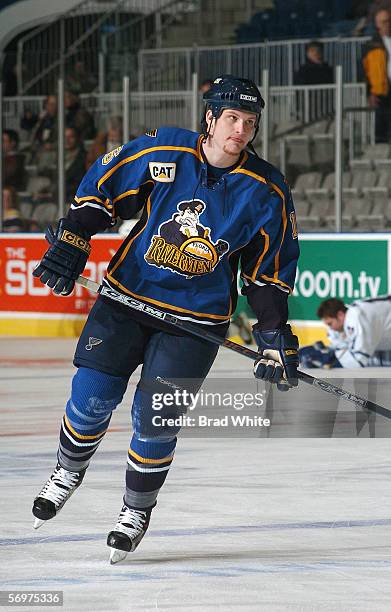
279, 357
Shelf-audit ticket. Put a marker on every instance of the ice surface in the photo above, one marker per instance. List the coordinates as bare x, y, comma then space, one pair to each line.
242, 524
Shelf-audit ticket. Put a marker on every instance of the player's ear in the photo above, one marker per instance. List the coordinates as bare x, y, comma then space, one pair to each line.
209, 121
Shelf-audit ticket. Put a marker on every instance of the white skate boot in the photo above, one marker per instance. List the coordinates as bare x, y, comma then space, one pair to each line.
55, 493
128, 532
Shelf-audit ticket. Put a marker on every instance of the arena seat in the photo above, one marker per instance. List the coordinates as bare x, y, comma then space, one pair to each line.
305, 182
45, 213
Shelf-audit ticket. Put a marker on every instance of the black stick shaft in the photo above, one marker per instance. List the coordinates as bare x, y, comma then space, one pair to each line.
131, 302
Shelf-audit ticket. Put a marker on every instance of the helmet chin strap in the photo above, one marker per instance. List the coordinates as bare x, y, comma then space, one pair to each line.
255, 132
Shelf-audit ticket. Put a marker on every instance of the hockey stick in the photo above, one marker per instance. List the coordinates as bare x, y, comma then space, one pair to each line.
190, 328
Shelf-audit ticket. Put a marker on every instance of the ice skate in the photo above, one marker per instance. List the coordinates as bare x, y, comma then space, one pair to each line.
55, 493
128, 532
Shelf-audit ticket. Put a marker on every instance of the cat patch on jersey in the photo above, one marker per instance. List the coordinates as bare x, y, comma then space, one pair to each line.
183, 245
151, 133
110, 156
163, 172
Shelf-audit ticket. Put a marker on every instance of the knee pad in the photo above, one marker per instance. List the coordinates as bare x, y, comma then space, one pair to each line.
96, 394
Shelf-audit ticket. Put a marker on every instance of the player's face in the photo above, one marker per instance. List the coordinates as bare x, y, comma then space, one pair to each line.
335, 323
233, 130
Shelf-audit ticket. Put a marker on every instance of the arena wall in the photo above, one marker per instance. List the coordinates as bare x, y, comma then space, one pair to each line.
347, 266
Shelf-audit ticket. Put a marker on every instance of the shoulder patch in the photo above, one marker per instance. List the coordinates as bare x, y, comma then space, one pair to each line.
151, 133
109, 156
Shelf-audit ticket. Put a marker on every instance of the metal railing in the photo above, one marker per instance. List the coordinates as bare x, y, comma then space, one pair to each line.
86, 34
107, 35
162, 69
43, 50
334, 112
288, 106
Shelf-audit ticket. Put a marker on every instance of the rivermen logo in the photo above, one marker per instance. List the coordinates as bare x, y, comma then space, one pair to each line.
183, 245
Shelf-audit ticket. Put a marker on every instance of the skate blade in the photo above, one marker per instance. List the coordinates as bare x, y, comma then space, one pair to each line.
117, 555
38, 523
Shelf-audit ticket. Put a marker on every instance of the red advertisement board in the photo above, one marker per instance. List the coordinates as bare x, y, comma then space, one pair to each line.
22, 296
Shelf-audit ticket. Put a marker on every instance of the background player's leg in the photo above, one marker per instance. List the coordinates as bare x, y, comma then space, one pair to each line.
169, 360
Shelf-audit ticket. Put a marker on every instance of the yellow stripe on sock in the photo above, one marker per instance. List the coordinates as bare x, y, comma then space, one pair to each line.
144, 460
77, 435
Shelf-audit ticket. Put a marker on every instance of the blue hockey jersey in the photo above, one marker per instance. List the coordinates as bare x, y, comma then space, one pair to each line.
183, 254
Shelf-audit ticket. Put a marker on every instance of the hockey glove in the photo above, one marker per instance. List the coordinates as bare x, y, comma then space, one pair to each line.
66, 257
279, 357
318, 356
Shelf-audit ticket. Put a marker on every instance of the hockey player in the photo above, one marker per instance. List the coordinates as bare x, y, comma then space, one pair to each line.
359, 334
208, 203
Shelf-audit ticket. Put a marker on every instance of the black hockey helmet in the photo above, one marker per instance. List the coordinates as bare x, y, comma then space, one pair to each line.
229, 91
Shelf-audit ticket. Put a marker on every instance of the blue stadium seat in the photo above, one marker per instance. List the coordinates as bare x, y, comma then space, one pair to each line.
298, 19
246, 34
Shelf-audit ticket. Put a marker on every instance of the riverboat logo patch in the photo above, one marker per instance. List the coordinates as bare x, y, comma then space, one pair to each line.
183, 245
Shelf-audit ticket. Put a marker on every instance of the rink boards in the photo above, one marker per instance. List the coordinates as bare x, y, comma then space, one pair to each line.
347, 266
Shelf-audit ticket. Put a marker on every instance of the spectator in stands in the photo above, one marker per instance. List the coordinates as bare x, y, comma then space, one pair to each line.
12, 217
28, 121
377, 68
74, 162
315, 71
43, 148
14, 173
377, 5
80, 80
365, 11
74, 170
106, 141
45, 133
78, 117
13, 226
